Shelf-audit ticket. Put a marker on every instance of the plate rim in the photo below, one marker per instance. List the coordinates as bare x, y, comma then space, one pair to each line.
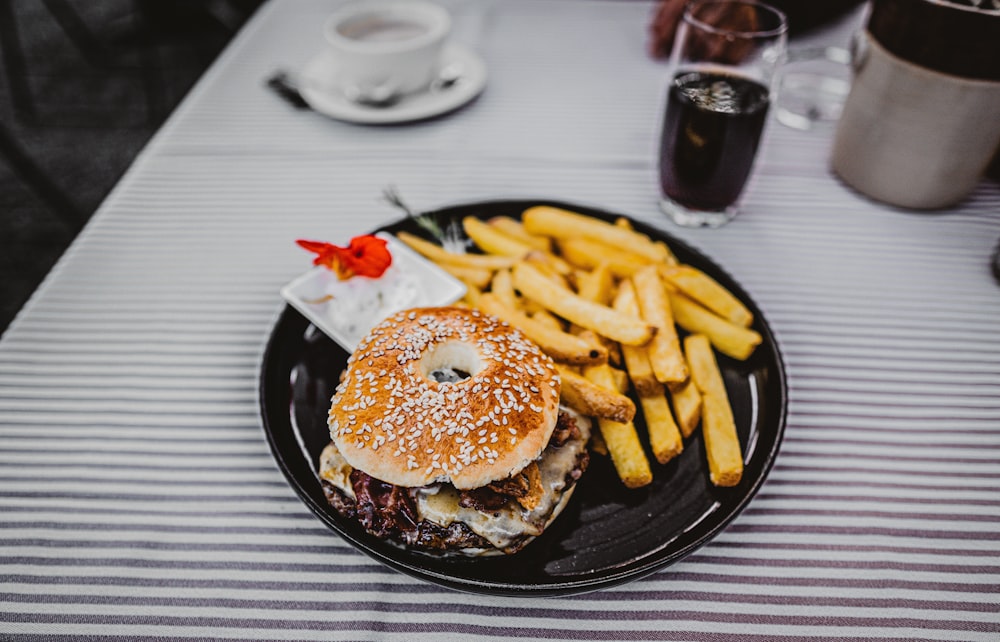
628, 572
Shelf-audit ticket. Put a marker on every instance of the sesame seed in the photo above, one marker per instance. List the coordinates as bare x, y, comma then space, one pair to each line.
390, 399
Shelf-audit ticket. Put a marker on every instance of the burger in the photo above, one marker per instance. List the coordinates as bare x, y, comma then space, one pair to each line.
447, 435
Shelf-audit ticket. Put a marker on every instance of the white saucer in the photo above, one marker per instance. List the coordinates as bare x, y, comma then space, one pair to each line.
317, 89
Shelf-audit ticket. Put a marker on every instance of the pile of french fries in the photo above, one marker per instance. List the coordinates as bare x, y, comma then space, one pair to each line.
605, 302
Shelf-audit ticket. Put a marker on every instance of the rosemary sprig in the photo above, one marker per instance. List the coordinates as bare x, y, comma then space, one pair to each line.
423, 220
452, 238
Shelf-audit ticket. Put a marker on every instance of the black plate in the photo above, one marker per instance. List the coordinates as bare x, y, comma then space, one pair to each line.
608, 534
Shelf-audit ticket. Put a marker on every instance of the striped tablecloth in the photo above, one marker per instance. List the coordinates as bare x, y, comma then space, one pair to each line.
138, 496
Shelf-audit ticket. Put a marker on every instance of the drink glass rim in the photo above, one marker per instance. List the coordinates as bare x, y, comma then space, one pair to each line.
690, 19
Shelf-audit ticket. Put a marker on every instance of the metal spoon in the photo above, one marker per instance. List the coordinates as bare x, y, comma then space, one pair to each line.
378, 96
447, 76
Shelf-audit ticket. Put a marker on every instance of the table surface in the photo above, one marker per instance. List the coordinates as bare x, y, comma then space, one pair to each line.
138, 496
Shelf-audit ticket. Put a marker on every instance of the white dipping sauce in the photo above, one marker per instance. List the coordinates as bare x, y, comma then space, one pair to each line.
359, 303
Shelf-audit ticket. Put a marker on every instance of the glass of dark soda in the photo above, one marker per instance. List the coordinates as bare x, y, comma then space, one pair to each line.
723, 63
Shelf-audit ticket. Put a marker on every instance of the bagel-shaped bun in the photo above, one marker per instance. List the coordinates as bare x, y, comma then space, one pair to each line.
391, 419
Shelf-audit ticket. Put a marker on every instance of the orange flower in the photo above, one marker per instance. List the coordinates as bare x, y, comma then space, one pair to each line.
364, 256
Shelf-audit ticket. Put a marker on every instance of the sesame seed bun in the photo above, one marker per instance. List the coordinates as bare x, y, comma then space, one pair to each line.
391, 419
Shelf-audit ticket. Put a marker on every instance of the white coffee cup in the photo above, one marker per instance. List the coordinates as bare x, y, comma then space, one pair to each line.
383, 49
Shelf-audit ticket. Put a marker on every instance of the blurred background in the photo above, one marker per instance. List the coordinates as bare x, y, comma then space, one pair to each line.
84, 85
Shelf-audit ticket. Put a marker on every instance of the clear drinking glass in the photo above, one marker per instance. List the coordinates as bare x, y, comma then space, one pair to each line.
723, 65
812, 87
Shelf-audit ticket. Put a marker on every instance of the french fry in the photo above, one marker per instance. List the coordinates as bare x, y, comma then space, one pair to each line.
725, 467
686, 401
579, 275
621, 380
705, 290
597, 444
590, 398
664, 437
614, 353
635, 357
472, 295
514, 228
722, 444
597, 285
502, 286
621, 438
560, 223
440, 255
491, 240
564, 303
547, 318
704, 369
473, 277
589, 253
543, 263
559, 345
728, 338
664, 349
557, 264
669, 258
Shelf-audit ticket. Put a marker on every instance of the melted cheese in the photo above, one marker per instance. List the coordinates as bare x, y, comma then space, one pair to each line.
439, 503
335, 469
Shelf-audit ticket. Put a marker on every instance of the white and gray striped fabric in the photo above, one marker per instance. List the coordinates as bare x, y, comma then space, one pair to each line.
138, 496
